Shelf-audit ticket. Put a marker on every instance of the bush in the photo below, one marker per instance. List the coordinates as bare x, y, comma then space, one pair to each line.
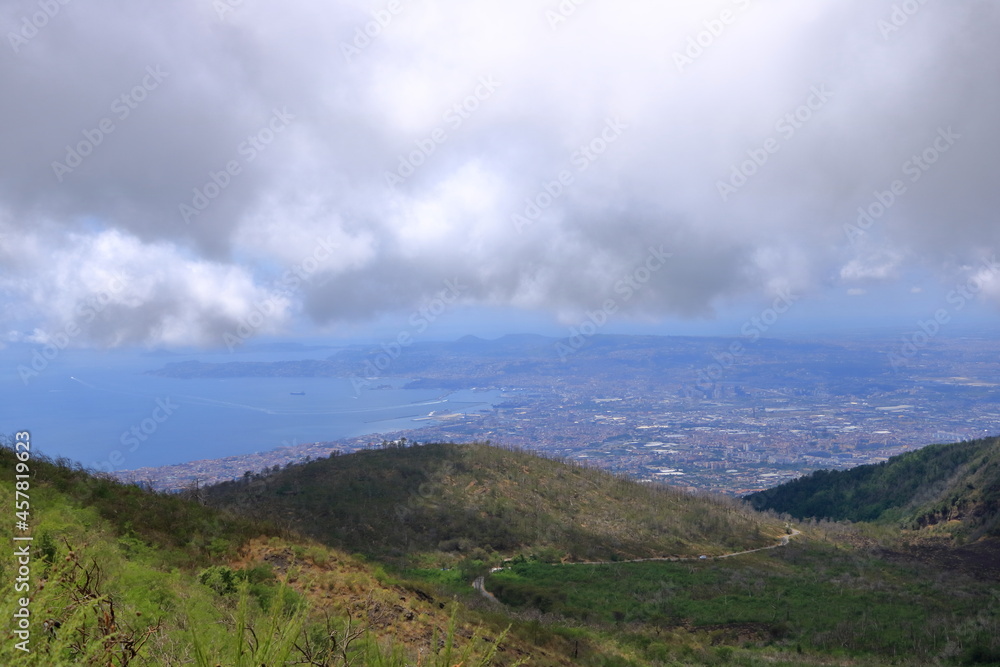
318, 555
220, 579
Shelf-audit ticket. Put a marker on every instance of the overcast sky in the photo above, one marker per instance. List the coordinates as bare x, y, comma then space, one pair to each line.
176, 173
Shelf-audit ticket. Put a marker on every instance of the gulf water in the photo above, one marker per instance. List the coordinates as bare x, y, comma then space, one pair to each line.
103, 410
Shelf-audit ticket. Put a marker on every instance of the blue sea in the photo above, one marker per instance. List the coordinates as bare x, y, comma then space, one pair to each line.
102, 410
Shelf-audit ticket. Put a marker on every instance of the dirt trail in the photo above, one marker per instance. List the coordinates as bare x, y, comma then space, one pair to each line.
675, 559
480, 583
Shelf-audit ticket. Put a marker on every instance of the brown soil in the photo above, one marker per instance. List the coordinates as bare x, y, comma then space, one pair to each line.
342, 585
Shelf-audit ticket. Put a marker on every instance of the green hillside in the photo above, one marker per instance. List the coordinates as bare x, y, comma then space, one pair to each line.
809, 599
120, 576
448, 501
956, 484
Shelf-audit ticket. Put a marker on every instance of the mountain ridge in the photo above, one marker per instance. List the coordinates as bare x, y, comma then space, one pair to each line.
950, 487
446, 499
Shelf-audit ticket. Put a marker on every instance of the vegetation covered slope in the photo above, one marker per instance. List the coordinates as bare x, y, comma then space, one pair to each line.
121, 576
809, 598
124, 577
453, 501
932, 485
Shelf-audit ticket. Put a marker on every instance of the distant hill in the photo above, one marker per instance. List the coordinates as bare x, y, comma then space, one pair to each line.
927, 487
457, 500
530, 360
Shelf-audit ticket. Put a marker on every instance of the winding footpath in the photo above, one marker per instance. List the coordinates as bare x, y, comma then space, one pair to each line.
676, 559
480, 583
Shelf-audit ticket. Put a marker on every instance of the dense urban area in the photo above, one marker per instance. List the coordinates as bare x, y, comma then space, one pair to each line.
718, 415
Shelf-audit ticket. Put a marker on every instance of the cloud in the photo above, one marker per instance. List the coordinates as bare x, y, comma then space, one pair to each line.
110, 289
280, 126
872, 265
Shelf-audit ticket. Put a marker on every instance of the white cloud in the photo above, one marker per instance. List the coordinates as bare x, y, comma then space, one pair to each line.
873, 265
323, 176
110, 289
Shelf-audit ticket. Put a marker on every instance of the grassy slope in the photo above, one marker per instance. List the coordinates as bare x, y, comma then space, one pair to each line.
934, 484
813, 596
120, 568
455, 500
173, 571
